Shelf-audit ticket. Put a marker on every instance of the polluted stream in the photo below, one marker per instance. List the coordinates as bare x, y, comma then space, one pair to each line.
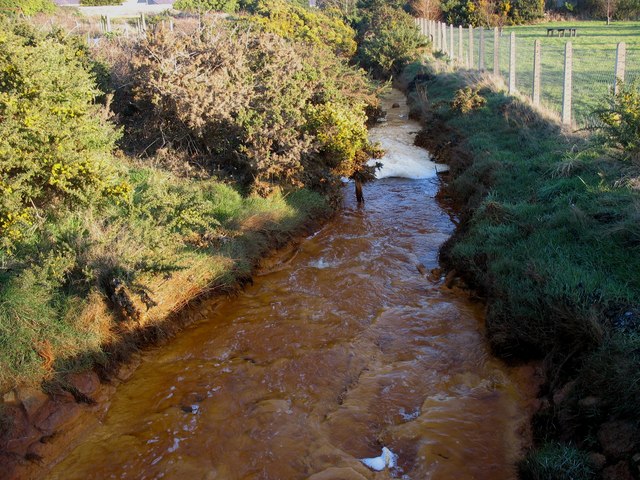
335, 354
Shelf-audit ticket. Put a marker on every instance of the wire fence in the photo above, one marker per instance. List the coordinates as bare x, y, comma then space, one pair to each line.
569, 78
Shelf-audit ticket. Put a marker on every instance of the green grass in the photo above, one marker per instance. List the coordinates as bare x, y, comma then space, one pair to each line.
556, 462
567, 235
594, 55
174, 227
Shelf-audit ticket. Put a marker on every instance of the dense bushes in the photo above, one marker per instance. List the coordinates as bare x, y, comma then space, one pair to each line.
203, 6
388, 38
605, 10
319, 28
269, 111
491, 13
98, 3
26, 7
55, 145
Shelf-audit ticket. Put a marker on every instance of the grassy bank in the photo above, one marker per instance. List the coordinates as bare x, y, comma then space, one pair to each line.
550, 235
176, 239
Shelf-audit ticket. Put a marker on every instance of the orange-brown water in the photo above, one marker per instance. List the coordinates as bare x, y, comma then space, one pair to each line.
342, 350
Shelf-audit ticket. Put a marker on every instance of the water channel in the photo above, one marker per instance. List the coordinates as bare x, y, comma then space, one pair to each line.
342, 350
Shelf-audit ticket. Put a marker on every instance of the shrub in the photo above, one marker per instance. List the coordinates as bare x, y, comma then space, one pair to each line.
526, 11
54, 143
203, 6
296, 22
271, 112
492, 13
467, 99
388, 39
100, 3
556, 461
26, 7
618, 124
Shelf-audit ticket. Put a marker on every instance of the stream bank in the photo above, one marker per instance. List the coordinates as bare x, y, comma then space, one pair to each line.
548, 242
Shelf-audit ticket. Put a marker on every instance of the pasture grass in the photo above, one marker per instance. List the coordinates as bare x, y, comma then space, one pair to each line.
594, 57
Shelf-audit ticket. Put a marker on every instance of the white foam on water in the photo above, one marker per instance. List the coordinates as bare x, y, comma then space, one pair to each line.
402, 158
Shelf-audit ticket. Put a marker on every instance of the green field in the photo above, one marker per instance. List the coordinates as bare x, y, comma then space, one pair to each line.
594, 55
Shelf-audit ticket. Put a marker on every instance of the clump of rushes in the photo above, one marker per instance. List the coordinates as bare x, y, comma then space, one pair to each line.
555, 461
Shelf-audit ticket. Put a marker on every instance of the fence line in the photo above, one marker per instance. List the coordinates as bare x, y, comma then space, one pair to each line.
569, 79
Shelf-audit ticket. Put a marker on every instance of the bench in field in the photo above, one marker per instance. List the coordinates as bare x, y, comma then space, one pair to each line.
551, 32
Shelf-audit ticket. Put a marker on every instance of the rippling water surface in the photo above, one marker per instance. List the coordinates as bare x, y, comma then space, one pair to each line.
342, 350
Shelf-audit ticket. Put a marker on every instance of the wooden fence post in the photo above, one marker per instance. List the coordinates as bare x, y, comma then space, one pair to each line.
144, 22
108, 23
621, 58
452, 50
481, 51
444, 38
567, 84
460, 50
512, 63
535, 95
470, 50
496, 51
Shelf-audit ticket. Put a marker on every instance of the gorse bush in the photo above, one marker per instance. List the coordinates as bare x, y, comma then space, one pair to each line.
54, 143
319, 28
99, 3
26, 7
388, 39
203, 6
467, 99
270, 111
618, 124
